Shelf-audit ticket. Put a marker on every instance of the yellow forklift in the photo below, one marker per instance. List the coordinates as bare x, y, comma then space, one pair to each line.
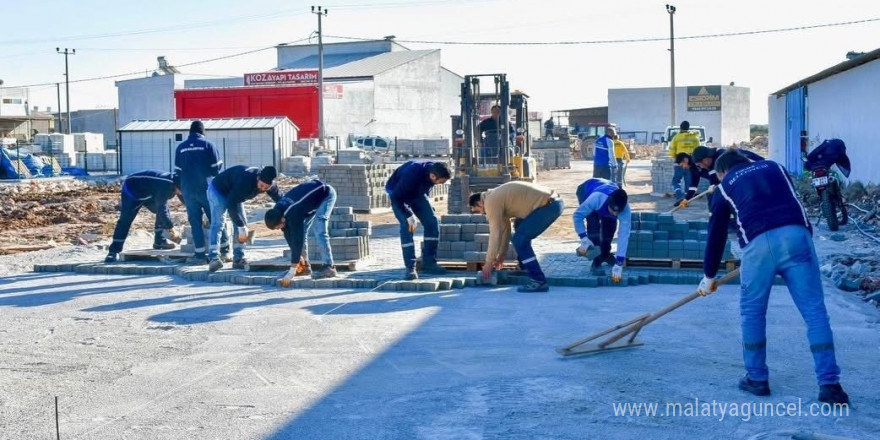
487, 153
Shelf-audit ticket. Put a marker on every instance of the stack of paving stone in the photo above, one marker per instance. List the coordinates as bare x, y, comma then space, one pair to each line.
552, 159
296, 166
187, 243
319, 161
361, 187
422, 148
465, 237
351, 156
304, 147
660, 236
662, 170
349, 238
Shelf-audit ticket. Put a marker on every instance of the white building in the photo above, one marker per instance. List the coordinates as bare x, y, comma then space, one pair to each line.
723, 110
150, 145
842, 102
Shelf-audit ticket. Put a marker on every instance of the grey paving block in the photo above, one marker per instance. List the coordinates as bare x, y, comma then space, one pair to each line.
665, 218
676, 244
458, 283
649, 225
470, 282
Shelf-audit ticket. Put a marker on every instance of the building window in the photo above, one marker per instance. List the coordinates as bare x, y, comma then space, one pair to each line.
12, 100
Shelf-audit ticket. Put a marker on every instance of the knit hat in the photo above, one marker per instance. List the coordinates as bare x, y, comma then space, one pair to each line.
197, 127
617, 200
268, 174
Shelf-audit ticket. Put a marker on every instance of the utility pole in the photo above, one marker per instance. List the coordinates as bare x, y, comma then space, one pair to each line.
320, 12
66, 52
60, 115
671, 10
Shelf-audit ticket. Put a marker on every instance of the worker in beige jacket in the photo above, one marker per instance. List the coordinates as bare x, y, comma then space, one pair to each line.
533, 209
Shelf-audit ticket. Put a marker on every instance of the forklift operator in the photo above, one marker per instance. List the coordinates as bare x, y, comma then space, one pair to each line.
491, 150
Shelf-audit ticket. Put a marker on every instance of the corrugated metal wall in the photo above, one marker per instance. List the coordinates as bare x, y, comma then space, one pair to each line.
795, 121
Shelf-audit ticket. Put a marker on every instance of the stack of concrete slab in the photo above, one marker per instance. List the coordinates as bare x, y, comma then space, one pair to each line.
187, 245
361, 187
423, 147
465, 237
101, 161
351, 156
662, 170
319, 161
349, 238
61, 146
552, 159
304, 147
88, 142
660, 236
296, 166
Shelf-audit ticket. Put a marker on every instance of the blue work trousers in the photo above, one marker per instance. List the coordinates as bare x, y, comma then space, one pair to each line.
530, 228
421, 208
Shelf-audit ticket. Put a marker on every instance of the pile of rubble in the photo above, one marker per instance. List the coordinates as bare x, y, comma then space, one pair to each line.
859, 274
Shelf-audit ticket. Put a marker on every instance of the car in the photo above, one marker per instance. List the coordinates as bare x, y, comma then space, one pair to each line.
376, 144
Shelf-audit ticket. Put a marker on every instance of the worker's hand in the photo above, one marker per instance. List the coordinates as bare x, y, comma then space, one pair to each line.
413, 223
206, 223
684, 203
486, 272
174, 236
301, 266
499, 263
585, 246
711, 189
707, 286
242, 234
616, 273
287, 280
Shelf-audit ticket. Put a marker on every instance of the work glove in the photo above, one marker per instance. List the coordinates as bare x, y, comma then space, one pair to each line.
242, 234
287, 280
173, 235
585, 246
413, 223
301, 266
711, 189
707, 286
617, 273
684, 203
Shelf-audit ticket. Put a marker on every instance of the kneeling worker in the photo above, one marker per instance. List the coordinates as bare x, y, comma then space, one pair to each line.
602, 205
776, 238
227, 192
408, 189
152, 189
533, 208
702, 165
305, 207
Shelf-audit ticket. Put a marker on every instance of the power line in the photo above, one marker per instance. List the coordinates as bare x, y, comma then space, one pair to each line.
617, 41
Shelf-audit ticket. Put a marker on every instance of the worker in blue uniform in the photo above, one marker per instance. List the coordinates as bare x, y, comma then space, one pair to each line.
602, 204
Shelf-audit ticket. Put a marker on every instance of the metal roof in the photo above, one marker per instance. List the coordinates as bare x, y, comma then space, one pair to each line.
210, 124
372, 66
330, 61
831, 71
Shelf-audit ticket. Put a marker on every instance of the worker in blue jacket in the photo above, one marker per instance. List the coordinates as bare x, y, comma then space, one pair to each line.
776, 238
604, 160
602, 205
153, 190
408, 189
305, 207
227, 193
701, 165
197, 161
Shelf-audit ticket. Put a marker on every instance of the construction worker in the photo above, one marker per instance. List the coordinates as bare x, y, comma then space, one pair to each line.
491, 151
197, 161
701, 165
548, 129
683, 142
533, 208
621, 155
604, 160
408, 189
602, 205
306, 207
152, 189
226, 193
775, 235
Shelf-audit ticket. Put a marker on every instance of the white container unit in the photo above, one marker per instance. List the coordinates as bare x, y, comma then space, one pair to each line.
150, 145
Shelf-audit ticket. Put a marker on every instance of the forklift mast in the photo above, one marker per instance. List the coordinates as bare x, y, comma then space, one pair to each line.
466, 154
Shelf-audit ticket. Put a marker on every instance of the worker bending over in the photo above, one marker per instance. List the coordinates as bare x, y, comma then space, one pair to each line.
683, 142
197, 161
701, 165
408, 189
602, 205
152, 189
776, 238
305, 207
227, 193
533, 208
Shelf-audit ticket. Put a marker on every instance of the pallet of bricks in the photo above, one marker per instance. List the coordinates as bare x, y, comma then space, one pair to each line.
426, 148
658, 236
349, 239
362, 187
464, 238
662, 170
552, 154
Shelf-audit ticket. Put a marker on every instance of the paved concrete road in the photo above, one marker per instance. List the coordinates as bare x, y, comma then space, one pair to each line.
150, 358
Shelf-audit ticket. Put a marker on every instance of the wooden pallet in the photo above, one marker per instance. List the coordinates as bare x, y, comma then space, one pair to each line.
278, 265
471, 266
675, 263
154, 255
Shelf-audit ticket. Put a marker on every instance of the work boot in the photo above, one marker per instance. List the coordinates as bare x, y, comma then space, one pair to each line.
610, 260
431, 267
224, 257
163, 245
110, 258
534, 286
240, 264
215, 265
324, 272
197, 260
411, 274
756, 387
833, 393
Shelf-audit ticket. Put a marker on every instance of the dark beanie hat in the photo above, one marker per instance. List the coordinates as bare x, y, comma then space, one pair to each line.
268, 174
685, 126
702, 152
617, 200
197, 127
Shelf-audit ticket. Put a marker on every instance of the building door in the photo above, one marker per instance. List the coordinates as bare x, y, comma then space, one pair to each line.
795, 123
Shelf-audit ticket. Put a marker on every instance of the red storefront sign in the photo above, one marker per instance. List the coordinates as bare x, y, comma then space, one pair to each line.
281, 77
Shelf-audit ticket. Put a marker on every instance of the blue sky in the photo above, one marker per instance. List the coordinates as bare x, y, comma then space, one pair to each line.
134, 33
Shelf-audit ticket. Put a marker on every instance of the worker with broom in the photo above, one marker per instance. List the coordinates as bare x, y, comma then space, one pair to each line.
602, 205
776, 238
533, 208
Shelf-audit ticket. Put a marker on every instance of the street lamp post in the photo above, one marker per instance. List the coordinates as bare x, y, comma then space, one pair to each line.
66, 52
320, 12
671, 10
